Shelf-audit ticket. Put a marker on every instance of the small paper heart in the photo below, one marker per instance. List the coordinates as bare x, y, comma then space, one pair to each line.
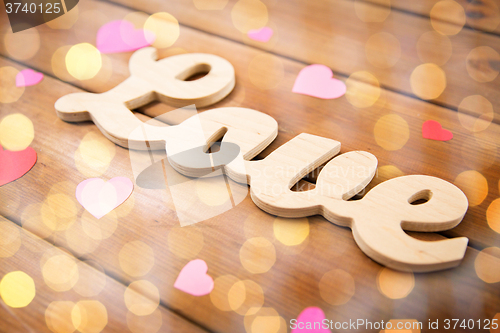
317, 81
433, 130
261, 35
15, 164
310, 320
121, 36
194, 280
28, 77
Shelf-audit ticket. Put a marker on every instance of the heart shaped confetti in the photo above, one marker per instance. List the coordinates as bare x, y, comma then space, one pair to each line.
433, 130
307, 319
317, 81
121, 36
261, 35
28, 77
15, 164
99, 197
194, 280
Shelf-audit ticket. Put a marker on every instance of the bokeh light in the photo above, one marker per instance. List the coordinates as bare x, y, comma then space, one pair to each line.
291, 231
447, 17
16, 132
474, 185
10, 239
428, 81
394, 284
58, 64
479, 64
89, 316
145, 324
136, 258
266, 320
487, 265
391, 132
79, 241
30, 220
220, 294
369, 13
266, 71
165, 27
91, 279
58, 317
212, 191
60, 272
99, 229
22, 45
249, 15
83, 61
337, 287
475, 113
59, 211
257, 255
245, 297
483, 15
493, 215
363, 89
142, 297
210, 4
17, 289
94, 154
433, 47
383, 50
185, 242
9, 93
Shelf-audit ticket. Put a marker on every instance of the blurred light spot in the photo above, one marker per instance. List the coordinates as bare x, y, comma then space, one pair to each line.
363, 89
483, 15
30, 220
60, 272
10, 239
17, 289
336, 287
58, 317
219, 295
394, 284
144, 324
16, 132
291, 231
58, 64
83, 61
165, 27
59, 211
447, 17
248, 15
185, 242
474, 185
94, 154
487, 265
475, 113
428, 81
479, 64
136, 258
266, 320
433, 47
478, 155
391, 132
369, 13
99, 229
9, 93
407, 326
92, 279
387, 172
259, 224
493, 215
257, 255
138, 19
245, 297
65, 21
142, 297
210, 4
89, 316
79, 241
383, 50
22, 45
212, 191
266, 71
100, 80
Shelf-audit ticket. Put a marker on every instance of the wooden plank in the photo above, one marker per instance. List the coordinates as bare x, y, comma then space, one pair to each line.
55, 297
296, 279
331, 33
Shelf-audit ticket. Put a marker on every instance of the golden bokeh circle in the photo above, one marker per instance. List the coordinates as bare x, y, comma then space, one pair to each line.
212, 191
142, 297
94, 154
9, 93
257, 255
210, 4
10, 239
185, 242
391, 132
493, 215
60, 272
433, 47
136, 258
79, 241
291, 232
99, 229
363, 89
370, 13
447, 17
479, 62
249, 15
59, 211
17, 289
58, 317
487, 265
220, 293
383, 50
474, 185
165, 27
145, 324
83, 61
58, 64
394, 284
266, 71
245, 297
337, 287
266, 320
89, 316
428, 81
22, 45
91, 279
16, 132
475, 113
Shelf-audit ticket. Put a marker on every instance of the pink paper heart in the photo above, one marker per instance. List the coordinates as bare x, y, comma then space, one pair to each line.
261, 35
28, 77
194, 280
99, 197
15, 164
307, 318
121, 36
432, 129
317, 81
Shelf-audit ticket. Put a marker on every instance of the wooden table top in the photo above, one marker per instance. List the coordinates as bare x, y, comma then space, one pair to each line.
404, 62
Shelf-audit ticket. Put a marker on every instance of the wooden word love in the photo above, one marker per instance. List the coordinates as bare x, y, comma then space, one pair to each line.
378, 220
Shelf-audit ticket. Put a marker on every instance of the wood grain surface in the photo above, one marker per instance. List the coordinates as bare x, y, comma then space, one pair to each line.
246, 254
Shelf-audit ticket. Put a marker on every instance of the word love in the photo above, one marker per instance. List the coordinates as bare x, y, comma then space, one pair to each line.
378, 220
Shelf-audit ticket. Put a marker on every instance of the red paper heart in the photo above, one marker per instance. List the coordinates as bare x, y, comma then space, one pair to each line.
432, 129
15, 164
